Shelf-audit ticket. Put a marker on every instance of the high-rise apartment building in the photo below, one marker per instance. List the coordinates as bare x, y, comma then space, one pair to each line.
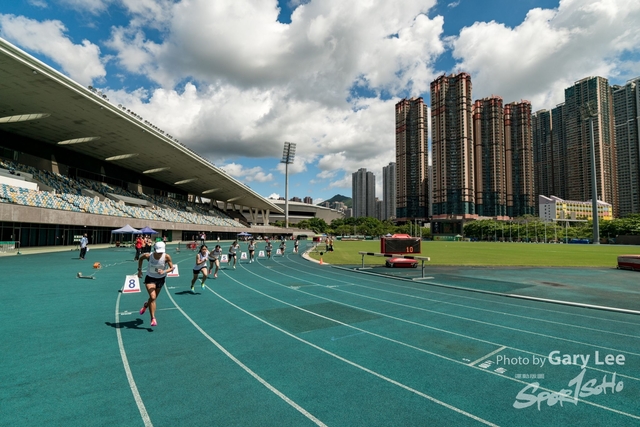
543, 160
452, 146
559, 152
411, 160
590, 96
626, 109
489, 151
389, 191
363, 193
521, 198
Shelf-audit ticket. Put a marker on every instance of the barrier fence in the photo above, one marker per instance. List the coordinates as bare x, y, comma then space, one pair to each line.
9, 247
420, 258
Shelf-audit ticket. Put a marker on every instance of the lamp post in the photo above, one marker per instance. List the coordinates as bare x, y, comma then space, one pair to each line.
288, 155
589, 111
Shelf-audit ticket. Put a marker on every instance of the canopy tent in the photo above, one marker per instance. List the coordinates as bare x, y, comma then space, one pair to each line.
244, 233
127, 229
148, 230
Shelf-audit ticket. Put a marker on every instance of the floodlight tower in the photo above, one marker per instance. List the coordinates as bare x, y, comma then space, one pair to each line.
288, 155
589, 111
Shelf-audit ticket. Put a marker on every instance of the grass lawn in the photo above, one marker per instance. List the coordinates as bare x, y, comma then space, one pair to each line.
489, 253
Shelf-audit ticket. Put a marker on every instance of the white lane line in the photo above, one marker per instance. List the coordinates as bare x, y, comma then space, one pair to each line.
428, 326
587, 402
482, 309
488, 355
367, 370
430, 291
127, 369
247, 369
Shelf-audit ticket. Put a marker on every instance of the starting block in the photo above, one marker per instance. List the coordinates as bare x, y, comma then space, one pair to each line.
80, 276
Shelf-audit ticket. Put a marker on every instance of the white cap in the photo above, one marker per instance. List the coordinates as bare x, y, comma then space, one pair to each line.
159, 247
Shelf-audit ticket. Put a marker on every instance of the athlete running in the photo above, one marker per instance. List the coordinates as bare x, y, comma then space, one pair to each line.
159, 265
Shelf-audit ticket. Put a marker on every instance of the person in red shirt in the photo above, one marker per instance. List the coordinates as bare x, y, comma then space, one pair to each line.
139, 245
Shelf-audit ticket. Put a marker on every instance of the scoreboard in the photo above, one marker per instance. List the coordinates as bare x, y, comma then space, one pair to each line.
400, 245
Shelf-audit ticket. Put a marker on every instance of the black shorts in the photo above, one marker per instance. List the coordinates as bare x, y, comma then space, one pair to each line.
196, 272
232, 255
158, 281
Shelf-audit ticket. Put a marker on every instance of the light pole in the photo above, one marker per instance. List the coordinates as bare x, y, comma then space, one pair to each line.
589, 111
288, 155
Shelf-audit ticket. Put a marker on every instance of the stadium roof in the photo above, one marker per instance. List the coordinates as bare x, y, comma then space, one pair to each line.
40, 103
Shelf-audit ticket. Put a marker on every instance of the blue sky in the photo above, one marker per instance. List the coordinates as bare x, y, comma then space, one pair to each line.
235, 79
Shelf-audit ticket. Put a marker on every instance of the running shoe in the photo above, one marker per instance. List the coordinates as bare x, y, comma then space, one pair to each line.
234, 267
144, 307
153, 322
192, 288
202, 285
215, 276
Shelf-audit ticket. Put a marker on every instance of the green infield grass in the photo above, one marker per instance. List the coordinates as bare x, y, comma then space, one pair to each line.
487, 253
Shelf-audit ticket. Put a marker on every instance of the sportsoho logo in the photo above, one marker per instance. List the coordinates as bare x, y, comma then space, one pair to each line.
578, 387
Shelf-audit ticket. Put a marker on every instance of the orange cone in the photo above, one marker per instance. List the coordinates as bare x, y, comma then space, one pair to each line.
320, 260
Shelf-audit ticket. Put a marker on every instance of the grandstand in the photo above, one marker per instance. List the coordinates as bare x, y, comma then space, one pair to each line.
299, 211
72, 162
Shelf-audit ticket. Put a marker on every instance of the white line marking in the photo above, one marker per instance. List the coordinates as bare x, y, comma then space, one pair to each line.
127, 369
488, 355
487, 310
247, 369
519, 307
432, 327
587, 402
367, 370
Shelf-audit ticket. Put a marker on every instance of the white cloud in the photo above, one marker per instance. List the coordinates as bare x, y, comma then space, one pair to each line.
549, 50
91, 6
258, 82
329, 45
254, 174
39, 3
80, 61
274, 196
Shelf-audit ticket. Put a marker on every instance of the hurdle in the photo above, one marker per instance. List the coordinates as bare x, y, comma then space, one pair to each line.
420, 258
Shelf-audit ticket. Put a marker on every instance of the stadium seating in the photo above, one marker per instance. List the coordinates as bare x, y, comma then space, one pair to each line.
67, 195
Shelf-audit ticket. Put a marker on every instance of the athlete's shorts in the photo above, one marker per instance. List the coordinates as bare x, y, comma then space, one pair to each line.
232, 255
198, 271
158, 281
